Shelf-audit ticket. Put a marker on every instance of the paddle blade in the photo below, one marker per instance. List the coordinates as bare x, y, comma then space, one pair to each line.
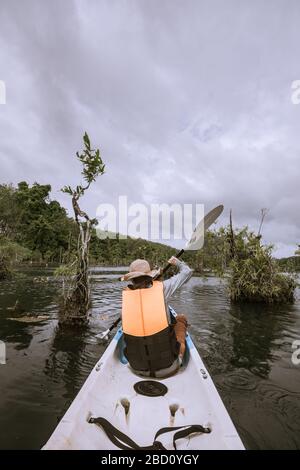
197, 239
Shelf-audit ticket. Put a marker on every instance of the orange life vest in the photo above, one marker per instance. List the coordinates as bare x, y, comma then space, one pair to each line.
150, 341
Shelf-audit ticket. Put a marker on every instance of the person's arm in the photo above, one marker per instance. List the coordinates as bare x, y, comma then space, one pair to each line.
172, 284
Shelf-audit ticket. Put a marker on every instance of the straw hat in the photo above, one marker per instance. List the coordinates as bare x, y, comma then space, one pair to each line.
140, 267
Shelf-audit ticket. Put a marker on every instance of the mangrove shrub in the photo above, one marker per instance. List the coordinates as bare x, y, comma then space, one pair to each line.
254, 274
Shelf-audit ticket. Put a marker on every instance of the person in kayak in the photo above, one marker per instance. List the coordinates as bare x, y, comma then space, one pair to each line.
154, 338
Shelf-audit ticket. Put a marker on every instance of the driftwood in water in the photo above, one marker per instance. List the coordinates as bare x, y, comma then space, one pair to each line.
30, 318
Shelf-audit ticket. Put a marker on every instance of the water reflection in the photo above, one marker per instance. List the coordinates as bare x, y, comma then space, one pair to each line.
247, 349
67, 352
254, 334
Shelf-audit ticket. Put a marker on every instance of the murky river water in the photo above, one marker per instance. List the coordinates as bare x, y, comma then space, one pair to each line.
247, 350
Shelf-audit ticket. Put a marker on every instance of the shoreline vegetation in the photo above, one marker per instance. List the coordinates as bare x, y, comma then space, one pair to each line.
36, 231
285, 265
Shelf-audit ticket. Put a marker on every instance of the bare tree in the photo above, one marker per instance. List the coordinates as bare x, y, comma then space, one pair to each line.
76, 300
232, 249
263, 212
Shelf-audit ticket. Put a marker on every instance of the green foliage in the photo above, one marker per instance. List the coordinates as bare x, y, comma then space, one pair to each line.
92, 166
35, 228
13, 252
121, 251
67, 190
213, 257
291, 264
10, 212
30, 219
255, 275
66, 270
10, 252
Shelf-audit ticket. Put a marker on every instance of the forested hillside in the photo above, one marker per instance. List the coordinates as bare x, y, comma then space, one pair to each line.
36, 229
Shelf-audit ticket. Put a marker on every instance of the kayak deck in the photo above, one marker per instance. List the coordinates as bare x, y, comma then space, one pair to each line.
191, 399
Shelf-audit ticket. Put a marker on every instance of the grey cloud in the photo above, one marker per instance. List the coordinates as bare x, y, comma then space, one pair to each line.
188, 101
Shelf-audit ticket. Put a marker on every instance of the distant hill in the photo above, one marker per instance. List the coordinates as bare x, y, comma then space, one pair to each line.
36, 229
120, 252
292, 263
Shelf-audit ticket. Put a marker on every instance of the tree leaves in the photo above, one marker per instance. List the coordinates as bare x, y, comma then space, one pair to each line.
86, 140
67, 189
254, 274
92, 167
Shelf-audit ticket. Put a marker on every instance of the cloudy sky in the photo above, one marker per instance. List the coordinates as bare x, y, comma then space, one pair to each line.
189, 101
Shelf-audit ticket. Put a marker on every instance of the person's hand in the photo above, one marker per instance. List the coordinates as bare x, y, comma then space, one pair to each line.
173, 260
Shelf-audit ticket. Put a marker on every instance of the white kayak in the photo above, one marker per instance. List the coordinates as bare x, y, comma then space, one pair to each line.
187, 398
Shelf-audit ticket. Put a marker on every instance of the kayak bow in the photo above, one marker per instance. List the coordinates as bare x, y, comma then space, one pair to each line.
115, 395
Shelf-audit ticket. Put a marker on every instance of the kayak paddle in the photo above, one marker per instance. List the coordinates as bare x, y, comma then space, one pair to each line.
197, 239
195, 243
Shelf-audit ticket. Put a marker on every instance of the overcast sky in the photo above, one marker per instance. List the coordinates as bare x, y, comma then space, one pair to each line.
189, 101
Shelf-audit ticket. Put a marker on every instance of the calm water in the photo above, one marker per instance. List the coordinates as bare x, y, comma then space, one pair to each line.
247, 350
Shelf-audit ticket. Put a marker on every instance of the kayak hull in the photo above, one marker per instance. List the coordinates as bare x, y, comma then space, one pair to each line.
109, 393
